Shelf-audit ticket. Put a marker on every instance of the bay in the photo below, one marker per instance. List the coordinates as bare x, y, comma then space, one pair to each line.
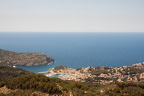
78, 49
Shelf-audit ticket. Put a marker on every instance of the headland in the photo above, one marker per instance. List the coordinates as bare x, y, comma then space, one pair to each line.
26, 59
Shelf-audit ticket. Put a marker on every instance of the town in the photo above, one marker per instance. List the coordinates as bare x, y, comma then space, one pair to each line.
99, 75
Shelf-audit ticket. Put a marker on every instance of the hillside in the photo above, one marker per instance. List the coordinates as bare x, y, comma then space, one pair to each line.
7, 73
17, 82
33, 83
40, 85
27, 59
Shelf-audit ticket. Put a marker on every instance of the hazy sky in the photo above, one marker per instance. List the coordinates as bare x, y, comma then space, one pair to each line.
71, 15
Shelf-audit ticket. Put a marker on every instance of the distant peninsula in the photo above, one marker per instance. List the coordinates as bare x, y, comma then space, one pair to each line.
27, 59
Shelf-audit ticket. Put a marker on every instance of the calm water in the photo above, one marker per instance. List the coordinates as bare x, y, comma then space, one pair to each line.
78, 50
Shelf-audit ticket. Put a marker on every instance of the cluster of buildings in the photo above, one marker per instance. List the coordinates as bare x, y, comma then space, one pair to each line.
101, 75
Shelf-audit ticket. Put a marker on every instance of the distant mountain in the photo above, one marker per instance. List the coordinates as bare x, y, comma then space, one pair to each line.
28, 59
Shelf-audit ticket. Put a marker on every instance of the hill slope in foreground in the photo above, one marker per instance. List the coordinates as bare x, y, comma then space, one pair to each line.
30, 84
27, 59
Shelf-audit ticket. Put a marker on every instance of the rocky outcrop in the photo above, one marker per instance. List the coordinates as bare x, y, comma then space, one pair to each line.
27, 59
5, 90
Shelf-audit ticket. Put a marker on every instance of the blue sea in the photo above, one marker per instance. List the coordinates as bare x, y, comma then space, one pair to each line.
78, 49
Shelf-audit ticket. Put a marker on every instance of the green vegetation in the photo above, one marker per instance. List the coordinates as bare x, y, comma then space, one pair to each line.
7, 73
98, 72
129, 89
39, 85
132, 70
50, 86
35, 82
61, 67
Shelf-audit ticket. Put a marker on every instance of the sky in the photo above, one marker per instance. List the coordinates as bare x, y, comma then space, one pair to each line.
71, 15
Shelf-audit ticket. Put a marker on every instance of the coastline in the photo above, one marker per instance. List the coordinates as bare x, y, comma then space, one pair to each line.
101, 74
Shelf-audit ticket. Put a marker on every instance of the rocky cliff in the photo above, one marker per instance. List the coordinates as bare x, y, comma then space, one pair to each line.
27, 59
